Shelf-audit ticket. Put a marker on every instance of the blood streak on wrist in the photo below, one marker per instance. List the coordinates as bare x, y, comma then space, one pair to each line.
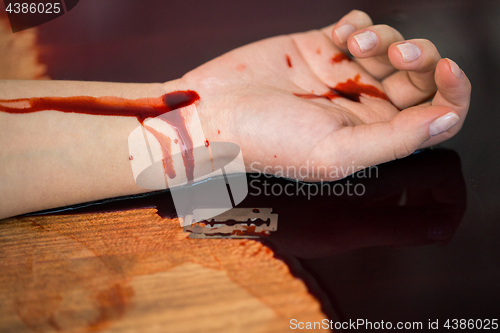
141, 108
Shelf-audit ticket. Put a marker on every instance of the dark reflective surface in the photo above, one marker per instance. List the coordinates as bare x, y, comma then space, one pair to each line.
416, 201
366, 262
387, 210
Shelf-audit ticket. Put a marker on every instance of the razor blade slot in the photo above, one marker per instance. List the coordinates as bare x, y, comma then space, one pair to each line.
256, 222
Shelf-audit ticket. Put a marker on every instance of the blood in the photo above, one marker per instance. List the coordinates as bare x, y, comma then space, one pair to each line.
218, 131
141, 108
166, 149
207, 143
351, 89
289, 61
328, 95
112, 306
250, 231
340, 57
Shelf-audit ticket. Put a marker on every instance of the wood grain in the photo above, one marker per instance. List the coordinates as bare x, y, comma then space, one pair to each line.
134, 271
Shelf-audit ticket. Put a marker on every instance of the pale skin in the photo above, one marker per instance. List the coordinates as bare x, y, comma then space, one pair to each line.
50, 159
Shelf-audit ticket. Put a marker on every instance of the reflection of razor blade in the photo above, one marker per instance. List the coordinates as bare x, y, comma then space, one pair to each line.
234, 223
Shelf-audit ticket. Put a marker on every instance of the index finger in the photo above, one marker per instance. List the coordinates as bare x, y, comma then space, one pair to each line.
339, 32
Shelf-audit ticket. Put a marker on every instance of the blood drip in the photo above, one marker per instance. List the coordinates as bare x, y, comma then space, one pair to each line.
141, 108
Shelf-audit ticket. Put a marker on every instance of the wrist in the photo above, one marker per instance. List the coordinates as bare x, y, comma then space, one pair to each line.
213, 157
205, 125
162, 147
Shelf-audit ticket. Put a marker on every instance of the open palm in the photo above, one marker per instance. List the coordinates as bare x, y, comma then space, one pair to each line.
297, 100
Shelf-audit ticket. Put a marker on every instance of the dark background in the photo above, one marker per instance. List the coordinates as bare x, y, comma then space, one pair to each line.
155, 41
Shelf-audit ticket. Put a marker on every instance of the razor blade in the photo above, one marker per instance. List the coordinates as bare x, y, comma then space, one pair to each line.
234, 223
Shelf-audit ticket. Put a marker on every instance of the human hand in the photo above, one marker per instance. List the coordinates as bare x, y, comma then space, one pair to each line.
274, 99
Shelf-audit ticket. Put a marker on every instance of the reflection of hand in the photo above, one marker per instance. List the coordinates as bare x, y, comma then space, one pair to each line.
250, 96
416, 201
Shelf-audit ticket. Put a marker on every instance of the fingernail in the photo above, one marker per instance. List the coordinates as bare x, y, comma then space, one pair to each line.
343, 32
443, 123
409, 51
455, 69
366, 40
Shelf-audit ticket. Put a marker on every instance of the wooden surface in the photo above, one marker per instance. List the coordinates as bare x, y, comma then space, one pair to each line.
134, 271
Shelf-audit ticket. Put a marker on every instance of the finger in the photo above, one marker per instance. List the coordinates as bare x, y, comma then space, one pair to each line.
414, 83
454, 91
325, 60
357, 147
370, 47
340, 31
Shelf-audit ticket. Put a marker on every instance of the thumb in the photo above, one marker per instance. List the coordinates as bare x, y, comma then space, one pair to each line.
454, 90
365, 145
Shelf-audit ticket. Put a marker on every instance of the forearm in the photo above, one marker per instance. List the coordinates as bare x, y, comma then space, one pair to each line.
52, 158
